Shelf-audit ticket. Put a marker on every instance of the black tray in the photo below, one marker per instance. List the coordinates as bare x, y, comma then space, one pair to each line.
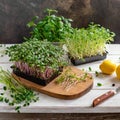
88, 59
34, 79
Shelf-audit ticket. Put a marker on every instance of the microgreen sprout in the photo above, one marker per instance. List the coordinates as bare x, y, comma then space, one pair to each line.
37, 54
14, 93
87, 42
4, 88
68, 79
1, 99
99, 84
83, 78
96, 73
90, 69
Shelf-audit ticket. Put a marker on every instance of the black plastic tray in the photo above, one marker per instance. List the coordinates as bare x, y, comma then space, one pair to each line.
88, 59
34, 79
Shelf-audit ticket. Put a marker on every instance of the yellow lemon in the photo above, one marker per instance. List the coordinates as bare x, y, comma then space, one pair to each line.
118, 71
107, 67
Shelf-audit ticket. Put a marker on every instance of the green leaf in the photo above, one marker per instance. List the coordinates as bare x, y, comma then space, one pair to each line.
4, 88
52, 27
31, 24
99, 84
1, 99
15, 94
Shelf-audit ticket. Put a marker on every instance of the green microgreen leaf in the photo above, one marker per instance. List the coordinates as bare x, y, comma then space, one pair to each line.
6, 100
1, 99
14, 93
1, 93
90, 69
4, 88
96, 73
37, 54
99, 84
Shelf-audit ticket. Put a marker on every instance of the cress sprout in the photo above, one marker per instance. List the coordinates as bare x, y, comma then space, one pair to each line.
87, 42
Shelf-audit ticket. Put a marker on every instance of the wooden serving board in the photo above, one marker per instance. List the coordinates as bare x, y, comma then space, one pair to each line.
57, 90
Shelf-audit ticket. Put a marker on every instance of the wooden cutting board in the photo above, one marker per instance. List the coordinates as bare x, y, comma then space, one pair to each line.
59, 90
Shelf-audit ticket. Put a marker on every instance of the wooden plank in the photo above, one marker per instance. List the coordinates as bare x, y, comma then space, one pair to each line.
62, 116
48, 104
60, 91
113, 49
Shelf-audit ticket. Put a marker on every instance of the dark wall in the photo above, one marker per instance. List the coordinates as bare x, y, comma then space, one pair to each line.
14, 15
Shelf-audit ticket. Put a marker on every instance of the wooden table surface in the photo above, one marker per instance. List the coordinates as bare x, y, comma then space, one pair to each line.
48, 104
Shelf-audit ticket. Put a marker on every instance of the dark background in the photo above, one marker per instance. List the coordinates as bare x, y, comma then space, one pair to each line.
15, 14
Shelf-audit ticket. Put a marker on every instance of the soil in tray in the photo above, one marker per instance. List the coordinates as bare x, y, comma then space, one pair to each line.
88, 59
34, 79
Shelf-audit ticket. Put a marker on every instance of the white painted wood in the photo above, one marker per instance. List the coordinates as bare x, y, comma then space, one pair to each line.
48, 104
113, 48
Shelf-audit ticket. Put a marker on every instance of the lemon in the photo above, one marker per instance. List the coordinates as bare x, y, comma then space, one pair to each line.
107, 67
118, 71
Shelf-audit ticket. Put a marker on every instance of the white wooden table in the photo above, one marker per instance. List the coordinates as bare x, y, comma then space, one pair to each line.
48, 104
